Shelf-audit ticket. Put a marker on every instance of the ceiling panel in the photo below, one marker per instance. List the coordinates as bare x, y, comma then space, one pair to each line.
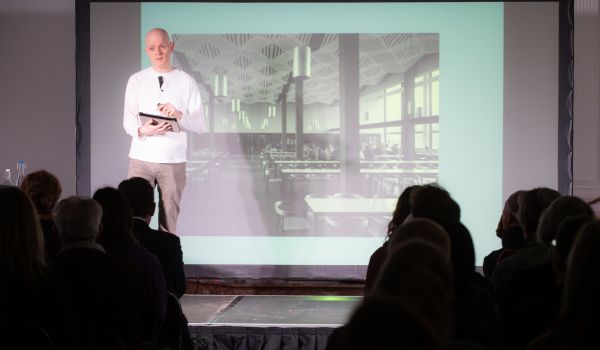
258, 65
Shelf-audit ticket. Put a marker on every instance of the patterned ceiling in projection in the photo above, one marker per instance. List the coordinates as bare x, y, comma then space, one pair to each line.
258, 66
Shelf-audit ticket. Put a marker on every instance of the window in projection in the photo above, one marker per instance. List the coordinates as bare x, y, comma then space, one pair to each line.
290, 154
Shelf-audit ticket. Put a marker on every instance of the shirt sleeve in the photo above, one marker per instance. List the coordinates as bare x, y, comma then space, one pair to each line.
131, 123
193, 116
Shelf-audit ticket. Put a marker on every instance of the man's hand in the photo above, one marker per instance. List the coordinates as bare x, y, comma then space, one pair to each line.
169, 110
151, 127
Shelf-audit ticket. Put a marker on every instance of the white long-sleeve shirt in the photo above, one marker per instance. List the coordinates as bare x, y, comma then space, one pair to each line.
143, 94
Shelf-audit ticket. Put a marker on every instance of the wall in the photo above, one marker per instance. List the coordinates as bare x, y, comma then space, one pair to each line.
530, 105
586, 144
37, 92
109, 144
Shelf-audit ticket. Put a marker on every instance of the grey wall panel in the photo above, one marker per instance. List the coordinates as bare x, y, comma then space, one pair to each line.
115, 55
37, 91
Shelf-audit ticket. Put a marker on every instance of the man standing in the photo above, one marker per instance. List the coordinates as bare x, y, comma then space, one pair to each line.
158, 154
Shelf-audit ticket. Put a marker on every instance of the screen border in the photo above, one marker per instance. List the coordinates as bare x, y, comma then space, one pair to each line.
346, 272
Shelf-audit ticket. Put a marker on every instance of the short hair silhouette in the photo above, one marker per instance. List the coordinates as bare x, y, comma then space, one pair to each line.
532, 204
556, 212
140, 195
77, 219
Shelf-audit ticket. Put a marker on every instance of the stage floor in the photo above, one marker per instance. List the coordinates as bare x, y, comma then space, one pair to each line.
268, 310
265, 322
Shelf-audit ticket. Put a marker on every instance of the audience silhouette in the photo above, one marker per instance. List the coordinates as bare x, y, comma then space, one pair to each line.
35, 308
167, 248
108, 292
419, 273
578, 322
381, 324
531, 299
531, 205
421, 229
164, 245
377, 259
89, 273
509, 231
44, 190
117, 238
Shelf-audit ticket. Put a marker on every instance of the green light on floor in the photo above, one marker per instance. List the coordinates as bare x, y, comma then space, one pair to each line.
332, 298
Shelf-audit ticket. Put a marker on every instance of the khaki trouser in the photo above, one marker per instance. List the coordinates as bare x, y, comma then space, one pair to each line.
170, 178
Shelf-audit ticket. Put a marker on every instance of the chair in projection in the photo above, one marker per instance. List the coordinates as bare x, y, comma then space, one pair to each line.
290, 217
271, 179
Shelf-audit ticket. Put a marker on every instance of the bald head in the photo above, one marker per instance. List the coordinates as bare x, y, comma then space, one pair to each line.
163, 34
159, 49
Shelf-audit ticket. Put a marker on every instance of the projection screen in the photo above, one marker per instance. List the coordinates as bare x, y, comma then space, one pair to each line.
320, 114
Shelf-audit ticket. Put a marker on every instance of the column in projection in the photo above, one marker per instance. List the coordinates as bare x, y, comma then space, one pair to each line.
349, 122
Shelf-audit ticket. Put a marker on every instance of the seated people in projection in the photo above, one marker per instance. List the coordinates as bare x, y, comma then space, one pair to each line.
158, 153
367, 152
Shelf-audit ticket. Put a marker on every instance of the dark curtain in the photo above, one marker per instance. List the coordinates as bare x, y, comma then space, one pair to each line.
255, 338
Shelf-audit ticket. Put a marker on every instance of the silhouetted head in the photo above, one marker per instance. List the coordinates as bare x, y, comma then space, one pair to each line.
117, 219
531, 205
140, 196
556, 212
77, 219
509, 212
566, 234
582, 272
44, 190
514, 238
21, 240
419, 273
423, 230
435, 203
462, 254
402, 210
384, 324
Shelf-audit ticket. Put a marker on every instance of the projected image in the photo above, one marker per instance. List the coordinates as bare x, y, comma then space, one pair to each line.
309, 134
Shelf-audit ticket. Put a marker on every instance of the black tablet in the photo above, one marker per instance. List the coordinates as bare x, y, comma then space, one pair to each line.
144, 117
